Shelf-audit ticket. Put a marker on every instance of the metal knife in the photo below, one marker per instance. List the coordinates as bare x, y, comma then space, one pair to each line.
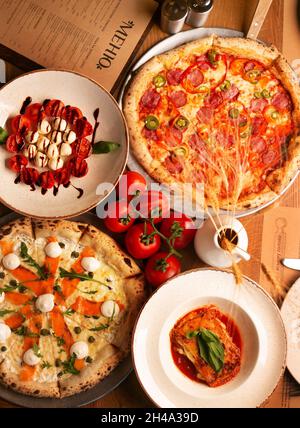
291, 263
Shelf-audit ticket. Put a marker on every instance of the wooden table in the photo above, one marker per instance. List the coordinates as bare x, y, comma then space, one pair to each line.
231, 14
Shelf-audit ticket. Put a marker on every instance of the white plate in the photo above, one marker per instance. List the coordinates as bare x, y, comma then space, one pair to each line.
76, 90
164, 46
290, 312
260, 324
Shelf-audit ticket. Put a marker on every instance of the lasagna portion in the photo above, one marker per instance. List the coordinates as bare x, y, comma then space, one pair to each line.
203, 339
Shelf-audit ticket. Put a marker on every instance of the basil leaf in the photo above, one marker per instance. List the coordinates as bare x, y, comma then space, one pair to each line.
3, 135
191, 334
69, 365
217, 350
105, 147
5, 312
203, 349
215, 362
209, 336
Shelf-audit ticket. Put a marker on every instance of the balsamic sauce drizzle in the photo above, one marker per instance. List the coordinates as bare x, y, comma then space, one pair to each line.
25, 104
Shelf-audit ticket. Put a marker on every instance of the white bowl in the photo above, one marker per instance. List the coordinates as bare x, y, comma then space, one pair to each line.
262, 332
77, 90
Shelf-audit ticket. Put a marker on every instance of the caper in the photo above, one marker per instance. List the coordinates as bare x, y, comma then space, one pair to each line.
77, 330
45, 332
13, 283
3, 348
74, 254
89, 359
91, 339
2, 275
61, 244
57, 362
22, 289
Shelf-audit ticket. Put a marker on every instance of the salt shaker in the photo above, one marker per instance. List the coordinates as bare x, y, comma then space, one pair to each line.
198, 11
173, 15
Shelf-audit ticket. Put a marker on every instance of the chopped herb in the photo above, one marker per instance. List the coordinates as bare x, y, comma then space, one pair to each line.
99, 327
37, 351
46, 365
3, 135
57, 288
5, 312
45, 332
31, 262
88, 292
69, 312
69, 365
65, 274
60, 341
24, 331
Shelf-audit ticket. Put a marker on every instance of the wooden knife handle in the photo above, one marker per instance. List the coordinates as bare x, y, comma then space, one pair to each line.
259, 18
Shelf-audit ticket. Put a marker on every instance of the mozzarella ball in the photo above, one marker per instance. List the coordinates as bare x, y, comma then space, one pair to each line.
32, 137
59, 124
31, 358
45, 302
52, 151
69, 136
53, 250
56, 163
5, 332
11, 261
90, 264
2, 296
44, 127
65, 149
80, 349
41, 159
43, 143
110, 308
30, 151
56, 137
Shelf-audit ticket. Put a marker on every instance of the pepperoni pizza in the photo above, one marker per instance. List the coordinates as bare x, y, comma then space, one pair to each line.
222, 112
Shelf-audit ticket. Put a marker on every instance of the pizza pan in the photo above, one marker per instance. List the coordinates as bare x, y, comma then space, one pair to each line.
107, 385
163, 46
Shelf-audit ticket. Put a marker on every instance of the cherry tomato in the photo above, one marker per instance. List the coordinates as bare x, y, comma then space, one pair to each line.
14, 143
79, 167
181, 228
71, 114
140, 241
82, 148
16, 163
29, 176
161, 267
34, 113
54, 108
83, 128
47, 180
19, 122
119, 217
152, 204
131, 184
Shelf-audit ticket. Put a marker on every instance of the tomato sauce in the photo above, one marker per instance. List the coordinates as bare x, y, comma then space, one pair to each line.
187, 367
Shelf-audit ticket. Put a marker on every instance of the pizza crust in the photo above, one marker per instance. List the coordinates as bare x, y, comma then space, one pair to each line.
67, 229
16, 228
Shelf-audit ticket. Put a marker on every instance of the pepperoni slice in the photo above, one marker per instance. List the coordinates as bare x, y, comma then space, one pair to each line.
195, 77
259, 125
149, 134
270, 157
174, 76
214, 100
258, 144
225, 140
150, 99
205, 115
178, 98
231, 93
258, 105
173, 165
282, 101
196, 143
172, 137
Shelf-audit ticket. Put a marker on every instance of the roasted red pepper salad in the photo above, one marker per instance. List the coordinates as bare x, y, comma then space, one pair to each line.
152, 233
50, 143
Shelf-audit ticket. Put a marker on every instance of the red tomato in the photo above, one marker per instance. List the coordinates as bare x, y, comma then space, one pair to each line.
71, 114
181, 228
46, 180
140, 241
33, 113
16, 163
131, 184
79, 167
54, 108
161, 267
13, 143
19, 122
29, 176
118, 217
83, 128
82, 148
152, 204
62, 176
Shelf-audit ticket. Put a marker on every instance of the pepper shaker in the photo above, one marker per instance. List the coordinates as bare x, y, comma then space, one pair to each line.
173, 15
198, 11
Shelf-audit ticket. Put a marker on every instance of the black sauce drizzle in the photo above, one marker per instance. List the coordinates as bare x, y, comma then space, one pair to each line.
25, 104
96, 115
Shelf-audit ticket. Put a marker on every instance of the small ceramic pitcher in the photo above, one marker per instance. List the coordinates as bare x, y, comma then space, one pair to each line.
207, 242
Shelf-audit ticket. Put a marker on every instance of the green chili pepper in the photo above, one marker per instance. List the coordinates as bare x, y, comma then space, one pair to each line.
151, 122
225, 86
234, 113
159, 81
181, 123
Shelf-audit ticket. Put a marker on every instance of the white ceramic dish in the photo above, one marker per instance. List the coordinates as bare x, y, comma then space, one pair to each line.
290, 312
164, 46
261, 327
80, 91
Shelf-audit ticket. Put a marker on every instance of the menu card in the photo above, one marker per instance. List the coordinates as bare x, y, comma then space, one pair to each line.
93, 37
